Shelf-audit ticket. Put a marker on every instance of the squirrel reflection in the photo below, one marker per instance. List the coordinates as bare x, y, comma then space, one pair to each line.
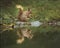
24, 33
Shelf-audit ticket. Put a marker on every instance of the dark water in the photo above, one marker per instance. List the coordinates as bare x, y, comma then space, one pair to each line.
45, 36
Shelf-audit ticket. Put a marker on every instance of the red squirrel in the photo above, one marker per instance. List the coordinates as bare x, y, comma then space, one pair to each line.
24, 15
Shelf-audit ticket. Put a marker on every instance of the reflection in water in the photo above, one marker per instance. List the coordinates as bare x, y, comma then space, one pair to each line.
19, 41
27, 33
24, 33
44, 36
4, 27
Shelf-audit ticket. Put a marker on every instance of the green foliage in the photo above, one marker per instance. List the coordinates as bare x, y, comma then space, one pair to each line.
41, 10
